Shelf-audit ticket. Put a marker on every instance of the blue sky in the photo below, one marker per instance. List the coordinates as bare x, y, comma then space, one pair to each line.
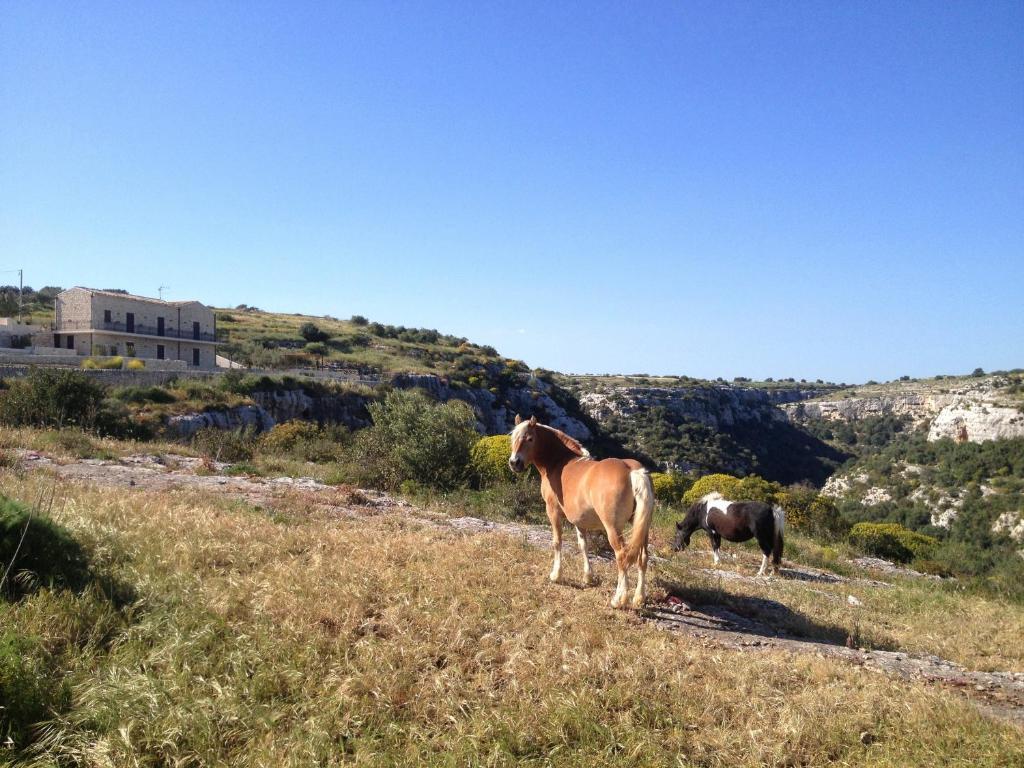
819, 189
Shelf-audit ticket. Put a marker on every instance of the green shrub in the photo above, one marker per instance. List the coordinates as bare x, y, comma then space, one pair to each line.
229, 445
142, 395
51, 397
489, 459
755, 488
670, 487
305, 440
415, 438
809, 512
136, 365
723, 484
36, 552
28, 688
311, 332
892, 541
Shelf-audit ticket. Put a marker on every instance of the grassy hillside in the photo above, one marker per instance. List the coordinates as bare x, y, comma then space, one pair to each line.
272, 340
223, 633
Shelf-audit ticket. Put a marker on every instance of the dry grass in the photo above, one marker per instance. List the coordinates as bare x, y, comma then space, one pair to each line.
76, 444
305, 639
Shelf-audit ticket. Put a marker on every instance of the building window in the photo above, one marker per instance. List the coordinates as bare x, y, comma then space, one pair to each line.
129, 348
159, 351
106, 315
71, 341
129, 322
195, 330
195, 357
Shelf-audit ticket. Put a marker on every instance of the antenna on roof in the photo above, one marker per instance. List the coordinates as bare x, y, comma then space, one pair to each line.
161, 289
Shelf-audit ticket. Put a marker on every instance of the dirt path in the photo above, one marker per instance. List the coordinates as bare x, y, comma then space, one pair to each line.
1000, 694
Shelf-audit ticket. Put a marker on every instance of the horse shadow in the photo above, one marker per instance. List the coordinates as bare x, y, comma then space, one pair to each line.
747, 615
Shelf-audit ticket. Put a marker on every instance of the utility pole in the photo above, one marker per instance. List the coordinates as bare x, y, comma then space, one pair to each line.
21, 291
161, 289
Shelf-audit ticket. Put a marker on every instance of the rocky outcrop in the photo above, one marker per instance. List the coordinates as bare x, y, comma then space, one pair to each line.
715, 407
918, 407
496, 412
972, 413
243, 416
289, 404
976, 421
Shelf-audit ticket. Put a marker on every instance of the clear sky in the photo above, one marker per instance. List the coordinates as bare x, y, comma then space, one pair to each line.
823, 189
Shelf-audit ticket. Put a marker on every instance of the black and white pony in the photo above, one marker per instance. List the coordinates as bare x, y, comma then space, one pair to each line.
735, 521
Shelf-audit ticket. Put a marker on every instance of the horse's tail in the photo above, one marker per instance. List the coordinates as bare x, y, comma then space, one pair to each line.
780, 527
643, 493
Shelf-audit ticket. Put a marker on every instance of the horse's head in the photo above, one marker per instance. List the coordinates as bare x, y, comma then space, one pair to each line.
524, 442
686, 527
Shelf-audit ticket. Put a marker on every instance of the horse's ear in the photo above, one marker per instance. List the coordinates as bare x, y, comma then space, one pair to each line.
519, 419
533, 421
679, 525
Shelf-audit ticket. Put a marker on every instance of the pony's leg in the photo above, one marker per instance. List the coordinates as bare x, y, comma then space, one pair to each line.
555, 517
716, 544
588, 576
764, 565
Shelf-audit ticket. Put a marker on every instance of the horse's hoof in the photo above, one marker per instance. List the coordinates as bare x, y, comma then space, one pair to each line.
638, 604
554, 578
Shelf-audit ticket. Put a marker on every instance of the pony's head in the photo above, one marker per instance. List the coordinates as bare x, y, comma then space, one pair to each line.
524, 443
686, 526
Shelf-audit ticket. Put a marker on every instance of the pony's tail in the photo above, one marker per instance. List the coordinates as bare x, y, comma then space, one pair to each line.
780, 528
643, 493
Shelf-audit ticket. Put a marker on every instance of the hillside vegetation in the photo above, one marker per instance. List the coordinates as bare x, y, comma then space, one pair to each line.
274, 340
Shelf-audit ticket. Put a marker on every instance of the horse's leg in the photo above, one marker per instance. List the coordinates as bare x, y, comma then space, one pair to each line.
622, 583
716, 544
555, 518
641, 573
588, 576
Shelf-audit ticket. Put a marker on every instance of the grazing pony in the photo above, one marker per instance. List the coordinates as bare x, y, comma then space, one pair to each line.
592, 495
735, 521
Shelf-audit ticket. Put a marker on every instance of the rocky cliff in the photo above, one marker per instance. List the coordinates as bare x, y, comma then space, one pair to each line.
715, 407
974, 412
495, 413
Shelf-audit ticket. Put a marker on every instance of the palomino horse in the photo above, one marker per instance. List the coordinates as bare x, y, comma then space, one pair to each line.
592, 495
735, 521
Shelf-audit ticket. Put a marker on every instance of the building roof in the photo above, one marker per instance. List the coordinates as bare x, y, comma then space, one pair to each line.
119, 295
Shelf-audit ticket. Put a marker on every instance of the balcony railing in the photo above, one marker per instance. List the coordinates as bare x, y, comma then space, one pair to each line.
184, 334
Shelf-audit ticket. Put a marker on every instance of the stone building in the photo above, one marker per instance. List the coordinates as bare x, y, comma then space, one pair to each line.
92, 322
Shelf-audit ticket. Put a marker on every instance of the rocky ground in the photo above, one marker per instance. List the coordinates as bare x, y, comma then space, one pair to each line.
1000, 694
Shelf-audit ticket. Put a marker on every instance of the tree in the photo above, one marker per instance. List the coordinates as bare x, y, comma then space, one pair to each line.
978, 372
318, 349
311, 332
358, 320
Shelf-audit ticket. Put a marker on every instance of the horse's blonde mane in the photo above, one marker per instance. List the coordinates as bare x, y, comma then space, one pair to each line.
571, 443
713, 496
